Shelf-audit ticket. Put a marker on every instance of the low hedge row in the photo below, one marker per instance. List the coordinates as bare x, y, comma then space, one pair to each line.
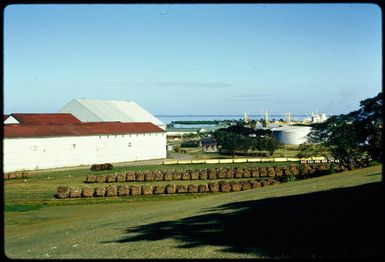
17, 174
133, 190
216, 173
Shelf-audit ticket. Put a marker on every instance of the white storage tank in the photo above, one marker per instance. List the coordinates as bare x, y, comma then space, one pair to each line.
293, 135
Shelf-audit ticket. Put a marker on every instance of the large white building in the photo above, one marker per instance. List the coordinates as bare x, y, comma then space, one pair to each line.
93, 110
46, 145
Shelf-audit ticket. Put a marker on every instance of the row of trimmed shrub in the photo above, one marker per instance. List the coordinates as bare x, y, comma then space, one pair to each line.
17, 174
133, 190
216, 173
98, 167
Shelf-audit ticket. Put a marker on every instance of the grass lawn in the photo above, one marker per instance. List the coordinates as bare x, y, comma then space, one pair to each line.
317, 217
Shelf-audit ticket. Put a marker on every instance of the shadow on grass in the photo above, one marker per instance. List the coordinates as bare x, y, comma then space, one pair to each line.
346, 222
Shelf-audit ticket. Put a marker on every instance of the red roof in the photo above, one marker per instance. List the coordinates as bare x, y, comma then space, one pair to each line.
5, 117
80, 129
45, 119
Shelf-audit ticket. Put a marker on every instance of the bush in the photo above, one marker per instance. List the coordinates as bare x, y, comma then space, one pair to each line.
245, 185
111, 178
135, 190
159, 189
130, 177
146, 190
192, 188
194, 175
99, 191
224, 186
120, 177
170, 189
203, 188
90, 179
235, 187
123, 190
87, 192
168, 177
181, 189
213, 187
149, 177
74, 192
100, 179
63, 192
255, 184
111, 191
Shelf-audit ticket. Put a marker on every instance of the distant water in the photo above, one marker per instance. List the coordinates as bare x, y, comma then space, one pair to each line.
169, 118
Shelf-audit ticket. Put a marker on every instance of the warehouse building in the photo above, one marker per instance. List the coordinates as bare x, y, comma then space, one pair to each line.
93, 110
48, 144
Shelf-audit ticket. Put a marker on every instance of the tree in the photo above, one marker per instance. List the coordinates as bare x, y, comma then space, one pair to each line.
353, 136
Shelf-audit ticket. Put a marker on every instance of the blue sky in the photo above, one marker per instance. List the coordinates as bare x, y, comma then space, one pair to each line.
193, 59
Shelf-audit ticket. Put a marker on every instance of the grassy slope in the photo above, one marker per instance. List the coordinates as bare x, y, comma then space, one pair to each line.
109, 230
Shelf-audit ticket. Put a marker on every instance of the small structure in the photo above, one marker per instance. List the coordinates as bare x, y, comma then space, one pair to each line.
209, 144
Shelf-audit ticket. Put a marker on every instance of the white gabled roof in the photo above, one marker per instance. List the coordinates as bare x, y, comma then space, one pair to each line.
109, 110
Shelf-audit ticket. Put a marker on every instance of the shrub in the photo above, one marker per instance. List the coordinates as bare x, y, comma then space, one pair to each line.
224, 186
130, 177
168, 177
262, 173
203, 176
221, 174
186, 176
203, 188
245, 185
177, 175
111, 178
255, 184
181, 189
100, 179
192, 188
74, 192
212, 175
158, 176
170, 189
135, 190
111, 191
139, 177
246, 173
255, 173
159, 189
146, 190
331, 169
123, 190
235, 186
213, 187
63, 192
120, 177
194, 175
87, 192
90, 179
149, 177
99, 191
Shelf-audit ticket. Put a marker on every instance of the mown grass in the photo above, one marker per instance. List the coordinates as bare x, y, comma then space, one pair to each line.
41, 187
164, 226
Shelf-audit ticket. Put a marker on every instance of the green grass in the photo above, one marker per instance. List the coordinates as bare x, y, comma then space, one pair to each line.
78, 228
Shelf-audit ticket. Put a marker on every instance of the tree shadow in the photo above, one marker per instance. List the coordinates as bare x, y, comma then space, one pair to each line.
339, 223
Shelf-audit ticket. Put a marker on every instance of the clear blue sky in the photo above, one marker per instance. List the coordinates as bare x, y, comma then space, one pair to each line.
193, 59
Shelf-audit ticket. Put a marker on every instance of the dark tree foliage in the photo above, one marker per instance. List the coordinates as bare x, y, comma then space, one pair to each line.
239, 138
354, 136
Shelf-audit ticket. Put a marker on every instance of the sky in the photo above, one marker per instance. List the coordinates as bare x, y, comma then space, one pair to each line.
196, 59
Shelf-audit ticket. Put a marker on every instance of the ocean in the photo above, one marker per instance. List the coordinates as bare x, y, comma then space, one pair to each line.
170, 118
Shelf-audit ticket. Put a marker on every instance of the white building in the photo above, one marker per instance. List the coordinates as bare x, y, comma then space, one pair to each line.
293, 135
92, 110
44, 146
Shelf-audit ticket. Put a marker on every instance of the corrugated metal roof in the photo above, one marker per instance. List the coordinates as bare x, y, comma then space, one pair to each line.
45, 119
113, 110
79, 129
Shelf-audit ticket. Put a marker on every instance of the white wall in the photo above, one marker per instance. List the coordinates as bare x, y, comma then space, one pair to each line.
53, 152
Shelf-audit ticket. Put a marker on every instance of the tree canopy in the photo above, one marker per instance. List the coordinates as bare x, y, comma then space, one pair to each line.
354, 136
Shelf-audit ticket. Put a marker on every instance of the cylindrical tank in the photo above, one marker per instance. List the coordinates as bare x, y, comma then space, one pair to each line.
293, 135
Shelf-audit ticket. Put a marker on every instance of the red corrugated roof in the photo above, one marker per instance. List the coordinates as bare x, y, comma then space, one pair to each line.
46, 119
80, 129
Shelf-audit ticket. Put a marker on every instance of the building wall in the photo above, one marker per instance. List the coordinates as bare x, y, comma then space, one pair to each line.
294, 137
55, 152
